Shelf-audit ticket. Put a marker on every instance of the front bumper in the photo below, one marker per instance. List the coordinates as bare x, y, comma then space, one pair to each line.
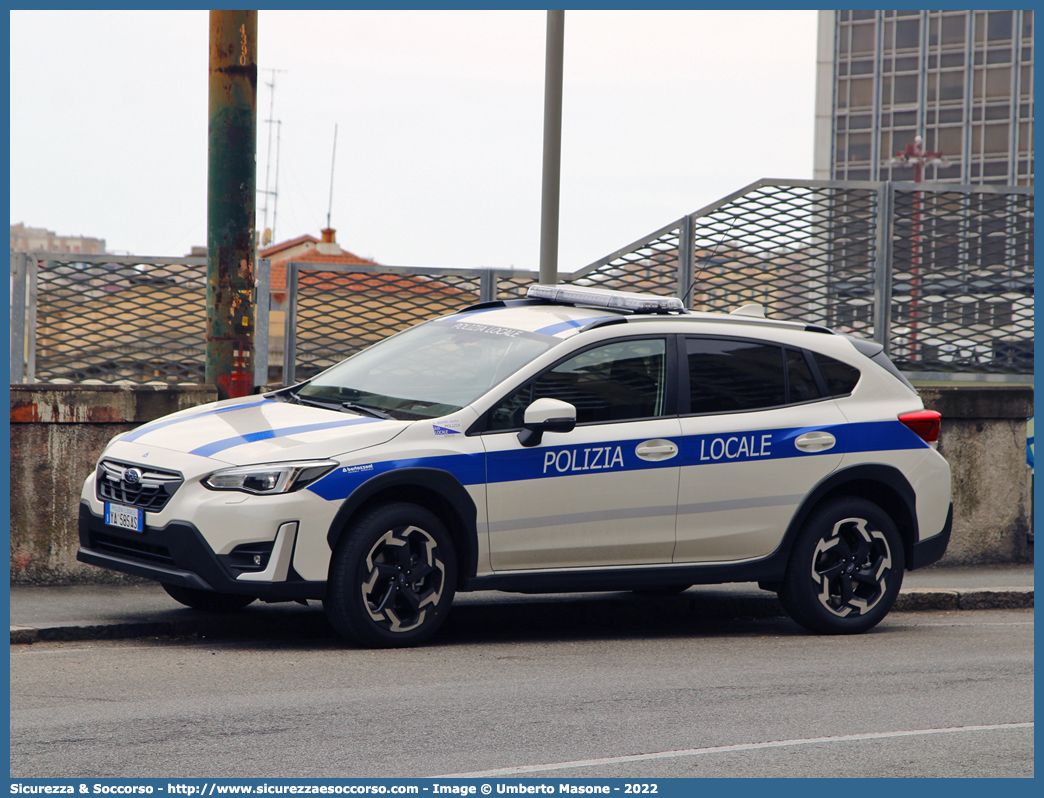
177, 554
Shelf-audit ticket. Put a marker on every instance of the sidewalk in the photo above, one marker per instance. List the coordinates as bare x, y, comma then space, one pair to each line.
93, 612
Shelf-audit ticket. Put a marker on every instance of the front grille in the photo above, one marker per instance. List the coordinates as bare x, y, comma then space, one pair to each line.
149, 488
130, 549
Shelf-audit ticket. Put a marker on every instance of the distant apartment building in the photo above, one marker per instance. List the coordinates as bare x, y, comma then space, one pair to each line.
961, 80
37, 239
961, 262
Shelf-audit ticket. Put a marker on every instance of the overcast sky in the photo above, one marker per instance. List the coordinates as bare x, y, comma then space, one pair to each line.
439, 118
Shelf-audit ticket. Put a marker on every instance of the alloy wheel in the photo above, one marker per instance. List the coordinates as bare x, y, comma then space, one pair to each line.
404, 578
851, 567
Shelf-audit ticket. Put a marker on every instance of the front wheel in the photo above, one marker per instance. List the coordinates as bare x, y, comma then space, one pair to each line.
845, 570
392, 578
207, 600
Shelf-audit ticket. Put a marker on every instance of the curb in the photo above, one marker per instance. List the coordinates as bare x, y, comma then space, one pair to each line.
914, 599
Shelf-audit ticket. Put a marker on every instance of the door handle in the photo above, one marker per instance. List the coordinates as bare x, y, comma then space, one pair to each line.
657, 449
815, 441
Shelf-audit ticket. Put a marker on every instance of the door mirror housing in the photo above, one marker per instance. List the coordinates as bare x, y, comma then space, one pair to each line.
546, 415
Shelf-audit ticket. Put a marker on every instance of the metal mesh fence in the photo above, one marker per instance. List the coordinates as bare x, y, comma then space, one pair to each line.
649, 266
112, 318
804, 251
515, 287
962, 281
942, 274
341, 312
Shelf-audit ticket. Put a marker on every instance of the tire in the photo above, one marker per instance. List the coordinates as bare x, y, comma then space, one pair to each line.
392, 578
845, 570
207, 600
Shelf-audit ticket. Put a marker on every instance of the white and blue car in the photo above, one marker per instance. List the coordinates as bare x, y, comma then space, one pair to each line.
577, 440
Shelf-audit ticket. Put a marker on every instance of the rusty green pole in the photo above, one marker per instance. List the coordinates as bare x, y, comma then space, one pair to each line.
231, 194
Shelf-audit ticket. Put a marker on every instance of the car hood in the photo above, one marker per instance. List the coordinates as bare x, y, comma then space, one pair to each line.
258, 430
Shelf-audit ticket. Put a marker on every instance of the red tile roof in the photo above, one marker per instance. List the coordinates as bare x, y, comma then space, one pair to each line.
273, 249
278, 268
358, 282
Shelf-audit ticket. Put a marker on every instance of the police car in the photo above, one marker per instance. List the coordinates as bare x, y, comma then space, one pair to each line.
576, 440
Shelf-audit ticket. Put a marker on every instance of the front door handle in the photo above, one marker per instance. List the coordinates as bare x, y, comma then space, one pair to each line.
815, 441
657, 449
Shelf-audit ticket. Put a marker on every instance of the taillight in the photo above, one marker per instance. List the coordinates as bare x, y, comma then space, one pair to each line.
925, 424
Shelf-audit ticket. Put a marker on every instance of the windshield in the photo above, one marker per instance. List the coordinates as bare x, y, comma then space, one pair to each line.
430, 370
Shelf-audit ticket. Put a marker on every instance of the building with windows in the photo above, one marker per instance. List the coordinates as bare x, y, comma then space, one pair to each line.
959, 263
39, 239
961, 80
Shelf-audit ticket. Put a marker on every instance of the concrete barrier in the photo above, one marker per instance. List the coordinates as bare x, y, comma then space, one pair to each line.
984, 439
58, 431
57, 434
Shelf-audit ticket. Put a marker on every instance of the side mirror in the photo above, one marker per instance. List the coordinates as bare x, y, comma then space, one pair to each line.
546, 415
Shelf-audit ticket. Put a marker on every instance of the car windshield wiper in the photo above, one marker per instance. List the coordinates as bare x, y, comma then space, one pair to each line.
331, 404
365, 410
307, 400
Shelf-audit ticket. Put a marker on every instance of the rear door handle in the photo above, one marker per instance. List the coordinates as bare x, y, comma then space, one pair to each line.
815, 441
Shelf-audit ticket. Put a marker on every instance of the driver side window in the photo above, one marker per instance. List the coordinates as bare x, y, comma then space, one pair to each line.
619, 381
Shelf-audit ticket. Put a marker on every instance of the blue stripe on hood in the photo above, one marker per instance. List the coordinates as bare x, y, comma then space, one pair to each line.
152, 426
252, 437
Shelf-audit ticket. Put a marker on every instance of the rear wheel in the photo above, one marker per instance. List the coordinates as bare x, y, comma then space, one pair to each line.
845, 570
392, 578
207, 600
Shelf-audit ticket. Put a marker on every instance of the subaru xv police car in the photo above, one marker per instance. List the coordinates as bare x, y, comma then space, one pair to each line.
577, 440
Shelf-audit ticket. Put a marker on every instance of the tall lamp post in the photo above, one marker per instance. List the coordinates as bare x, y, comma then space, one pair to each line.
551, 180
916, 156
231, 198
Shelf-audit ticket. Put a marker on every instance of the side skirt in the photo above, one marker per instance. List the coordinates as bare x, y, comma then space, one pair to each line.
770, 569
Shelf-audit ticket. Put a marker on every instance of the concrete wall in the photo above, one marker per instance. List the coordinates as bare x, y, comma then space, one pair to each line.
984, 439
58, 431
57, 434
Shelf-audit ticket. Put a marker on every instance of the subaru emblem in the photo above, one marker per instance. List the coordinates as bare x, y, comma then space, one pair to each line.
132, 476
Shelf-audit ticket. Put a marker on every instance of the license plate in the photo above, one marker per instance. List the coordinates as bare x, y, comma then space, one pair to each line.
132, 518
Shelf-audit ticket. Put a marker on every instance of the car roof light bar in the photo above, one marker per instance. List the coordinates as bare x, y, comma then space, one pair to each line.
605, 298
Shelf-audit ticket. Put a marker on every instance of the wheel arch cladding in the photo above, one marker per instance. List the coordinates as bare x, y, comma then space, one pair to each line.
437, 491
883, 485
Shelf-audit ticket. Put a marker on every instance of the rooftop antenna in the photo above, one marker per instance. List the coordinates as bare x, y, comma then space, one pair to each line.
332, 159
268, 159
275, 191
710, 257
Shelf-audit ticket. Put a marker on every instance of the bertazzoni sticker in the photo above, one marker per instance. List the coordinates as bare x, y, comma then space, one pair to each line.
355, 469
449, 426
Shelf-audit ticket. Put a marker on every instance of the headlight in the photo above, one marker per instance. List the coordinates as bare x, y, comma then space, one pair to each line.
269, 478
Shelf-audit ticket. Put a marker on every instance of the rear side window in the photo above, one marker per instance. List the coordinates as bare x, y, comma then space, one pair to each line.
840, 378
729, 375
800, 382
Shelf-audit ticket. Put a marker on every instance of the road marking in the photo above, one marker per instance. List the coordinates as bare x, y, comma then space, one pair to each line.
725, 749
973, 623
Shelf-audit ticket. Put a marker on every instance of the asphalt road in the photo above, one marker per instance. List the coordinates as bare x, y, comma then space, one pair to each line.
563, 691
